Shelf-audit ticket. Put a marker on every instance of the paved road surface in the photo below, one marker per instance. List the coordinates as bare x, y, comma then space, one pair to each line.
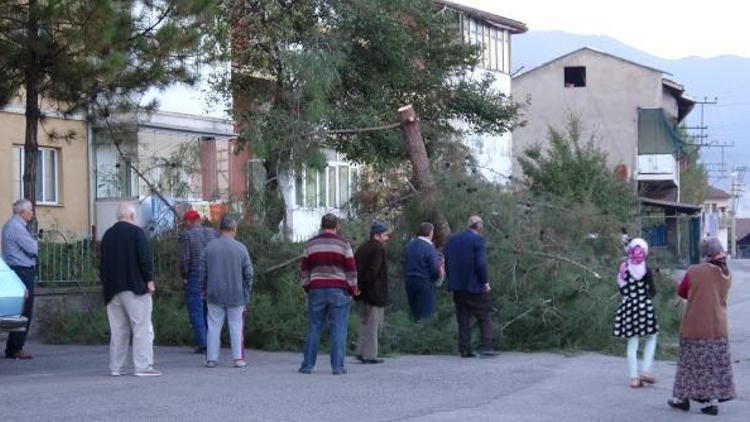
71, 383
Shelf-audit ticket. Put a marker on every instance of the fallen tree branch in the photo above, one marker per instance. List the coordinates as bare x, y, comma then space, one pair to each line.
282, 265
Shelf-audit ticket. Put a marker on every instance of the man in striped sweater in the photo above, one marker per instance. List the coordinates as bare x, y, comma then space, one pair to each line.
329, 276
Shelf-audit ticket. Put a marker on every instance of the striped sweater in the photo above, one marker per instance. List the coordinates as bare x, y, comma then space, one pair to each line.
328, 262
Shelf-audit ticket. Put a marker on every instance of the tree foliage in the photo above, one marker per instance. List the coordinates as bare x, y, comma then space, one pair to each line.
575, 170
94, 56
303, 71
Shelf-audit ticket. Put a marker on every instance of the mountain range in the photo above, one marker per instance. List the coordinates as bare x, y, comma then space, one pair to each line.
726, 78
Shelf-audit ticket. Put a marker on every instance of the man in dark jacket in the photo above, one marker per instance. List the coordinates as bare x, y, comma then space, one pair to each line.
127, 273
192, 243
466, 267
372, 278
422, 269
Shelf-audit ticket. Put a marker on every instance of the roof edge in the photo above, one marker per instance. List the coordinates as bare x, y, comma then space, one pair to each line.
587, 48
514, 26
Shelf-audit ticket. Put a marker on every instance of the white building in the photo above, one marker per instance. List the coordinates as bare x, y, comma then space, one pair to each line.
493, 34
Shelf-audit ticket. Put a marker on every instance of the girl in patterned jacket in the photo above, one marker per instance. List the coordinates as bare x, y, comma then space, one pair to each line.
636, 316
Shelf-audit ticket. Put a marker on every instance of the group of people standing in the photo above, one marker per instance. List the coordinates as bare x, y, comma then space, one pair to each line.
332, 273
218, 274
704, 367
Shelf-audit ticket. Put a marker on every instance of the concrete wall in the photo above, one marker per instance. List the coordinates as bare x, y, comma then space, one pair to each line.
71, 214
607, 105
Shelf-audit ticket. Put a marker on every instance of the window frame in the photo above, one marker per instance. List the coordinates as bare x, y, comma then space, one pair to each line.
328, 183
40, 164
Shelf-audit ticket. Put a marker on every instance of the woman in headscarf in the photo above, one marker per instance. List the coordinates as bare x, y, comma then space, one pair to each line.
704, 368
636, 317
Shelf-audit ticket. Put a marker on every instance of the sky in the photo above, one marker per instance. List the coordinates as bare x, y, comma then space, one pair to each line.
666, 28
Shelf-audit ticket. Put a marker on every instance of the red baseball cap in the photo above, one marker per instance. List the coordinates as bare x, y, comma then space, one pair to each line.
191, 215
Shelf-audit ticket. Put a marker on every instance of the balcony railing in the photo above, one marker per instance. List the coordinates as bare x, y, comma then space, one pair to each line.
657, 167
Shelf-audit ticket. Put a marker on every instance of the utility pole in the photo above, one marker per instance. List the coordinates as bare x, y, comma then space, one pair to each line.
737, 190
703, 128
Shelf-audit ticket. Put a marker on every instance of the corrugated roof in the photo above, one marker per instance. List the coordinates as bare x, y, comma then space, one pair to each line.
514, 26
595, 51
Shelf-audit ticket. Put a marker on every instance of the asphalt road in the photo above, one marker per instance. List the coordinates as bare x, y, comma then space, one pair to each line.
72, 383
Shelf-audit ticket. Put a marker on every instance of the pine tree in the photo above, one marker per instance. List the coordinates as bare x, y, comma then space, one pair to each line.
94, 56
305, 72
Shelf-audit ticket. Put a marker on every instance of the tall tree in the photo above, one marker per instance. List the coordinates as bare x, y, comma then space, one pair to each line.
93, 56
306, 72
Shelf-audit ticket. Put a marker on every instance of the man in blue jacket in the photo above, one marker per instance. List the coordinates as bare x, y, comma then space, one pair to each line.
422, 269
466, 267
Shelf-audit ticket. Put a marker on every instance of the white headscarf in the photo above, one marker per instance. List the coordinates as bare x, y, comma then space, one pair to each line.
633, 266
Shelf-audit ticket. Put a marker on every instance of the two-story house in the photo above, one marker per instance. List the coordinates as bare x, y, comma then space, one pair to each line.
718, 218
631, 110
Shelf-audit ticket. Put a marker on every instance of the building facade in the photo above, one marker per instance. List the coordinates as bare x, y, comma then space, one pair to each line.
189, 159
62, 190
493, 34
629, 110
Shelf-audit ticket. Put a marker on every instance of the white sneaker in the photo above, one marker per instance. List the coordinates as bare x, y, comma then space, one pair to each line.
239, 363
118, 373
148, 372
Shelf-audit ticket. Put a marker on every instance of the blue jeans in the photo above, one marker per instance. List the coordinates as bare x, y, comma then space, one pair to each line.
421, 295
331, 305
196, 307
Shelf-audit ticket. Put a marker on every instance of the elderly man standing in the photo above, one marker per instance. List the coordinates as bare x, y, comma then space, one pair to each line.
329, 276
192, 243
226, 275
20, 251
466, 267
372, 279
127, 272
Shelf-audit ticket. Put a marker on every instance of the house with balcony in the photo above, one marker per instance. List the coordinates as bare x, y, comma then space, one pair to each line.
189, 159
632, 112
629, 110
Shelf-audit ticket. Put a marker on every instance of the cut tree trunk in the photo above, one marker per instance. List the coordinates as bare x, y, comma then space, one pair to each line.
423, 180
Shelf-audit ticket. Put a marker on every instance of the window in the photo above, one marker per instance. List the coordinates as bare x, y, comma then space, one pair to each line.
575, 76
328, 188
46, 174
493, 43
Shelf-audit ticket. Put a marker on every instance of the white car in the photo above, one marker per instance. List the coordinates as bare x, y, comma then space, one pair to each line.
12, 297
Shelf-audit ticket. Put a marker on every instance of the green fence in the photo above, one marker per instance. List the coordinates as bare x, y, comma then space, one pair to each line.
76, 261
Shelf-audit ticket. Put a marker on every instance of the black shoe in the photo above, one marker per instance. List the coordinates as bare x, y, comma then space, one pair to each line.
468, 355
488, 354
199, 350
682, 405
359, 358
710, 410
372, 361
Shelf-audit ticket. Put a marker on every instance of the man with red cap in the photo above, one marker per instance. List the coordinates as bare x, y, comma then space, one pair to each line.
193, 241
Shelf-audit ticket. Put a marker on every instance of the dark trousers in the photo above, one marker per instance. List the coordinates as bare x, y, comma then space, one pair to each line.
478, 305
17, 339
420, 293
196, 308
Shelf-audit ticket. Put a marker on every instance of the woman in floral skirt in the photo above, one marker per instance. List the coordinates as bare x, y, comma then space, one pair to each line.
704, 367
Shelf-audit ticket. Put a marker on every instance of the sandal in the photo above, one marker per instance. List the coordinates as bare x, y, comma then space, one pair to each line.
647, 378
636, 383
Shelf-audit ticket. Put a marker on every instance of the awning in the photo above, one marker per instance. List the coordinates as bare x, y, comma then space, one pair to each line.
678, 207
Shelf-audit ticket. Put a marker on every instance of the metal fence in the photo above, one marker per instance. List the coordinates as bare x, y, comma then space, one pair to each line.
67, 260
